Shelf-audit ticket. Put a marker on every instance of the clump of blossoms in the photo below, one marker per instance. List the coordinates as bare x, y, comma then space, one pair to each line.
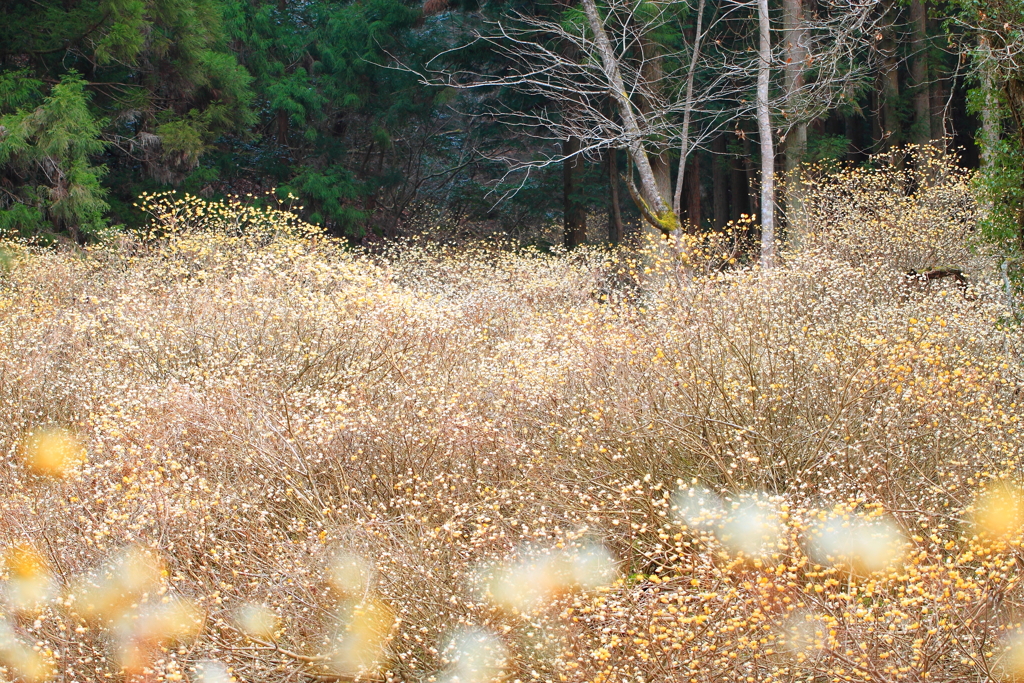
235, 450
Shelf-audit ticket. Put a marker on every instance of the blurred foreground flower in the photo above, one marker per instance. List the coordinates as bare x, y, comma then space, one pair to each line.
7, 259
171, 620
529, 583
1009, 665
349, 574
477, 656
212, 672
257, 621
698, 508
109, 591
752, 527
141, 636
29, 583
998, 511
362, 637
52, 452
16, 654
863, 544
803, 634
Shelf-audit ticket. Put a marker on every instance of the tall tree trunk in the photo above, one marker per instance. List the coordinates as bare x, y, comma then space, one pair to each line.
889, 90
877, 117
796, 140
795, 187
752, 189
661, 165
764, 129
693, 213
652, 204
1014, 91
796, 63
853, 131
796, 146
719, 188
615, 228
653, 72
989, 137
989, 106
939, 97
921, 131
892, 131
684, 147
574, 212
282, 127
739, 188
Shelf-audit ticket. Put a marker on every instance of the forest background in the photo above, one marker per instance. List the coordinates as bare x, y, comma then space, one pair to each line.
102, 100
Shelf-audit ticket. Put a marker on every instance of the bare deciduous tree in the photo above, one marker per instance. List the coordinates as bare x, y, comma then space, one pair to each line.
652, 108
696, 89
764, 129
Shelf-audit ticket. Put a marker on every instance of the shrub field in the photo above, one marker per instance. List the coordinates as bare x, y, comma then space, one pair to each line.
233, 449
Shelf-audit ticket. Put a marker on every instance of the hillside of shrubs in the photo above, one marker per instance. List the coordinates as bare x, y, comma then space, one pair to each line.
236, 449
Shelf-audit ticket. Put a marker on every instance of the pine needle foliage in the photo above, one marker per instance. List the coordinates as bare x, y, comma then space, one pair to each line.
49, 149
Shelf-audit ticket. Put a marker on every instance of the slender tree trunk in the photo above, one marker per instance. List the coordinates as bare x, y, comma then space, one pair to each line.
877, 117
719, 188
921, 131
939, 94
764, 129
653, 72
796, 140
693, 212
282, 127
753, 186
852, 129
684, 147
574, 212
654, 205
1014, 91
989, 137
889, 89
615, 227
989, 111
939, 97
739, 187
796, 61
890, 95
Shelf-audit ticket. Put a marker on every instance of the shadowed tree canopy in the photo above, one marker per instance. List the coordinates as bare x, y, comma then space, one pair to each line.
151, 84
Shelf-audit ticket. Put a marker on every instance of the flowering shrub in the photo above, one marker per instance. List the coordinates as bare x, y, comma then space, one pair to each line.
913, 211
235, 450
